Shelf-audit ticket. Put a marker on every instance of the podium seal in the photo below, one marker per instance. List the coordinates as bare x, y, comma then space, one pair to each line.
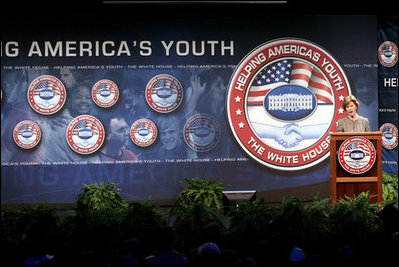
85, 134
283, 100
27, 134
357, 155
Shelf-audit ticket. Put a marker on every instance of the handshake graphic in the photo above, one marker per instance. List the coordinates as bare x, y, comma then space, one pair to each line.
291, 134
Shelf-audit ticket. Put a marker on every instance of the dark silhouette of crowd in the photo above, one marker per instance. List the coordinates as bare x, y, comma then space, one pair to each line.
48, 245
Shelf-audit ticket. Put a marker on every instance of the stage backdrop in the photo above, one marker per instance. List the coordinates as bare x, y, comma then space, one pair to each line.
388, 93
148, 104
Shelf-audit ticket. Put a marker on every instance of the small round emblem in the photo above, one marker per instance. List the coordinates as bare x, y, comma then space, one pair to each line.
105, 93
388, 54
27, 134
143, 132
389, 136
85, 134
164, 93
201, 132
46, 95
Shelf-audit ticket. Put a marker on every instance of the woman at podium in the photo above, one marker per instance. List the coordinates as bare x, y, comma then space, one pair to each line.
353, 122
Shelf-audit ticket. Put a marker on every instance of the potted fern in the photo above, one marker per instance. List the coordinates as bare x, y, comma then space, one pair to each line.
198, 204
251, 219
99, 211
389, 188
100, 203
142, 220
201, 192
355, 218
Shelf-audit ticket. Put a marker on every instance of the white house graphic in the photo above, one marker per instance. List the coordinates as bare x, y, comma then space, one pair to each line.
290, 102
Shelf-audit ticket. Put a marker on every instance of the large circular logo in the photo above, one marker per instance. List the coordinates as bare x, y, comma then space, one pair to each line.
46, 95
388, 54
389, 136
201, 132
357, 155
85, 134
143, 132
284, 99
164, 93
105, 93
27, 134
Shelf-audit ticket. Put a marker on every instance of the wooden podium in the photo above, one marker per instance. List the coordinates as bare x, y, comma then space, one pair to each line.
346, 183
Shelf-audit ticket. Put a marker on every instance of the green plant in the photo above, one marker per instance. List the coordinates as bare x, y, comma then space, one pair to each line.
307, 223
100, 204
389, 188
290, 216
10, 224
37, 225
197, 205
142, 219
317, 221
200, 192
251, 219
355, 218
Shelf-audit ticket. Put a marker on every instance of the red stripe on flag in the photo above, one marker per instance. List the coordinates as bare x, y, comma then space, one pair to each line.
299, 65
253, 103
318, 75
320, 86
323, 99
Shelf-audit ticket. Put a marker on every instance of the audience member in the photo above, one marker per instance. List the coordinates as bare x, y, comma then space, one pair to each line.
166, 255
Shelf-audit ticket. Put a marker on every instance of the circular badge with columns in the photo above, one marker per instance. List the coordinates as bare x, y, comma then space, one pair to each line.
283, 100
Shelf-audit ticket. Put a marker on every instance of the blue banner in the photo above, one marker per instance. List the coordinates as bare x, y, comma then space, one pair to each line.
388, 93
150, 106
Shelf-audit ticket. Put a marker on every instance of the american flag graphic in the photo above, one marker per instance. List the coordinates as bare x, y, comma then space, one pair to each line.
164, 84
85, 125
27, 128
357, 145
106, 86
47, 85
143, 125
289, 72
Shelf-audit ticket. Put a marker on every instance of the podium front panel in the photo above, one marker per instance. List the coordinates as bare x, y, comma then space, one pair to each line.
351, 189
344, 183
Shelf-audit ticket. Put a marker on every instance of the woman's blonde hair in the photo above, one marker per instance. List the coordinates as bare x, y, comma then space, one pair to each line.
348, 99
